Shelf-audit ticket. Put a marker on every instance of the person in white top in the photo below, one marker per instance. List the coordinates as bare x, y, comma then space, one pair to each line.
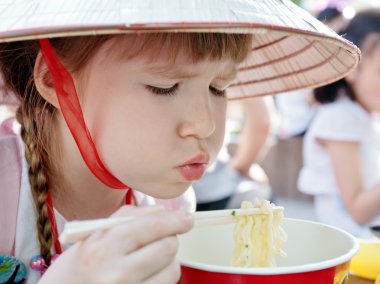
295, 109
295, 113
342, 147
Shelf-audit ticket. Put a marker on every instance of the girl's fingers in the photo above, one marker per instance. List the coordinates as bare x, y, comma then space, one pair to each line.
129, 210
99, 238
170, 275
146, 229
151, 259
143, 248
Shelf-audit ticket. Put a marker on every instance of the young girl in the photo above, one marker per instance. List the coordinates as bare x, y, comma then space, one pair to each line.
342, 147
139, 107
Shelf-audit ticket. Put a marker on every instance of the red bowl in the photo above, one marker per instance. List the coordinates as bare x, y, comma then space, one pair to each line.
317, 254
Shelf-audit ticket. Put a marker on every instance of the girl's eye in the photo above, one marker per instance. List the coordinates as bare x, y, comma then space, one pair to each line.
217, 92
163, 91
171, 91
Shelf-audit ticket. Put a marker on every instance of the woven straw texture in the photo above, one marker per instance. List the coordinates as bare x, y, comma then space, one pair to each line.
290, 48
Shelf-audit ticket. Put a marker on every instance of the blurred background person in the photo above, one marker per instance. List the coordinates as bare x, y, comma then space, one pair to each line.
296, 109
295, 112
342, 146
332, 17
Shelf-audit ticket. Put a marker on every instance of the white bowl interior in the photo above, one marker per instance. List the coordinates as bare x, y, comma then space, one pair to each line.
308, 244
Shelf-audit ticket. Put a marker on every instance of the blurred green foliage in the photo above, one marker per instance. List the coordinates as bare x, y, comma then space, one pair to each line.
298, 2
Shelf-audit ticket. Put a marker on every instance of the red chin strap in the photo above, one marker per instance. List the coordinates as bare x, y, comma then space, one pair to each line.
68, 101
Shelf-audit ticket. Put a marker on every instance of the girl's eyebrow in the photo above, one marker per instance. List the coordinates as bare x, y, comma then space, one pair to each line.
178, 72
172, 72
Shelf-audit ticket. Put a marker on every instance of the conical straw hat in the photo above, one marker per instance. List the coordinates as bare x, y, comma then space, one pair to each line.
290, 48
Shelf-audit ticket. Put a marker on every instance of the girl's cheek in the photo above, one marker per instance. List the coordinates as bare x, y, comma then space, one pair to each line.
220, 129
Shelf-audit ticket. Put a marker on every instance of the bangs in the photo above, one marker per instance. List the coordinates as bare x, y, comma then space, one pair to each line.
195, 46
76, 51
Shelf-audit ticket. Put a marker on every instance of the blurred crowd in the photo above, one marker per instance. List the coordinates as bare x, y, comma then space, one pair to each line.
321, 145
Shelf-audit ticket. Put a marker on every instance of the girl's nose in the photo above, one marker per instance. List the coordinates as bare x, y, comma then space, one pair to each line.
198, 117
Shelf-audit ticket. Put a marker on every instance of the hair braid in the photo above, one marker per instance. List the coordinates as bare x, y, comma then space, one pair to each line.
39, 183
36, 116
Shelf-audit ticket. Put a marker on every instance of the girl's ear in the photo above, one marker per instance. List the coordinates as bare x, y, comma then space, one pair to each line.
44, 82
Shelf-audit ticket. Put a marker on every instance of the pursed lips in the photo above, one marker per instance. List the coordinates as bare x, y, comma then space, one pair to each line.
194, 168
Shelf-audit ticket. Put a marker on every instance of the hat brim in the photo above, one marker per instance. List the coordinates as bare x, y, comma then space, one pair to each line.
290, 49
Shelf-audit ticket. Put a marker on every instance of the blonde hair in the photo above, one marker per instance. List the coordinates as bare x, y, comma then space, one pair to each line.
37, 117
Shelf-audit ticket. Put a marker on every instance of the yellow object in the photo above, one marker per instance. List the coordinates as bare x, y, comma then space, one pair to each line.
366, 263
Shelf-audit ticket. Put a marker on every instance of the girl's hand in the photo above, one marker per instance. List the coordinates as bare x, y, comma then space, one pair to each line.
140, 251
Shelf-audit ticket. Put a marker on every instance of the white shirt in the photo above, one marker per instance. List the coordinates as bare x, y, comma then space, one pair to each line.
295, 112
342, 120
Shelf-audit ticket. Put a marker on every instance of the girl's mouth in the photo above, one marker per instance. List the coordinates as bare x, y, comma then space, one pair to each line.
192, 171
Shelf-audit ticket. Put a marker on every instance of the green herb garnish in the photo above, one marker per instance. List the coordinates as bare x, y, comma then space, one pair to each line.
233, 213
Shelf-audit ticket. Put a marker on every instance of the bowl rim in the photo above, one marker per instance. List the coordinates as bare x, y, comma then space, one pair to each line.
286, 269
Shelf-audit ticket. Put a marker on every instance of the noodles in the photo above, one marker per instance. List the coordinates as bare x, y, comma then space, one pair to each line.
258, 238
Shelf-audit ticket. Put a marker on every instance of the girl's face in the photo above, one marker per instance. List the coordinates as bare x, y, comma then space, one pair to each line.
156, 124
366, 80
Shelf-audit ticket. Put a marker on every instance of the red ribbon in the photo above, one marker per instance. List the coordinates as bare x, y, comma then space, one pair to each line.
69, 103
51, 215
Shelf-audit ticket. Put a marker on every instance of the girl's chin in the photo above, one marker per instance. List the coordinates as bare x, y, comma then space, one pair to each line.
167, 192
